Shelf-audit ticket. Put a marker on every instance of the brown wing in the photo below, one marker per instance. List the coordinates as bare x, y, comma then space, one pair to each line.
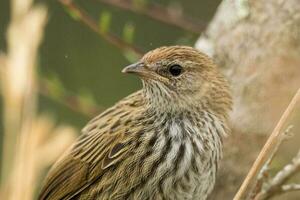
103, 143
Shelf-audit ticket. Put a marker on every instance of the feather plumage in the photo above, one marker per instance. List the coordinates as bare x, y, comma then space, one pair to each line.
162, 142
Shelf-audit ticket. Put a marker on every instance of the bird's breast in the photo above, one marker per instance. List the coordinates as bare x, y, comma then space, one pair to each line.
190, 164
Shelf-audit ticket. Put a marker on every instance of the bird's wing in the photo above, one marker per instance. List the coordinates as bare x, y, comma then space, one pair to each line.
103, 144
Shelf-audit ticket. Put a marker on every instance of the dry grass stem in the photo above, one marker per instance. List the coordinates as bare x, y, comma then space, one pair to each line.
268, 149
19, 96
18, 77
22, 133
26, 141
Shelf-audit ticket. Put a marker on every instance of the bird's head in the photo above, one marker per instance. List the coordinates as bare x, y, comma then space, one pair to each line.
179, 78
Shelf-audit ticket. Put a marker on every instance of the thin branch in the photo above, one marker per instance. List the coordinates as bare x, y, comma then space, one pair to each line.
70, 101
290, 187
275, 185
287, 172
264, 172
268, 149
159, 13
93, 25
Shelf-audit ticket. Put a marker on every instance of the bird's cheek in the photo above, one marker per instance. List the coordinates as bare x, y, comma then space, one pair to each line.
172, 85
161, 79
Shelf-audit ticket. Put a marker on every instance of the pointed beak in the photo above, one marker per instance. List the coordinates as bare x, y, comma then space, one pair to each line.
136, 68
143, 71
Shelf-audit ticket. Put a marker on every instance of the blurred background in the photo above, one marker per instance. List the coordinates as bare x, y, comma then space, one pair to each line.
77, 74
76, 58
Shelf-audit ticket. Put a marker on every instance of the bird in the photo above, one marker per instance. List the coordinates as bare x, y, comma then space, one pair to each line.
161, 142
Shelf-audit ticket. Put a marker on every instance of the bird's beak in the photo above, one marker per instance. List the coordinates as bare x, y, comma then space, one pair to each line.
143, 71
136, 68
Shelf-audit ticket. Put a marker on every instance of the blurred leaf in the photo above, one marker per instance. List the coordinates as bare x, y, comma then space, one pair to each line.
131, 56
73, 13
86, 100
55, 86
105, 21
128, 33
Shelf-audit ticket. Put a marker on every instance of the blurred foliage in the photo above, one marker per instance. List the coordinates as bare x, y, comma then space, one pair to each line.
74, 61
79, 72
128, 33
104, 21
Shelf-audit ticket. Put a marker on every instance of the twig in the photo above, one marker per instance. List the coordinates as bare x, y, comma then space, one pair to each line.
159, 13
268, 149
290, 187
93, 25
275, 185
70, 101
263, 174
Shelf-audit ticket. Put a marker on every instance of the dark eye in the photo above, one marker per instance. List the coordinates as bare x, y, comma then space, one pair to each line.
175, 70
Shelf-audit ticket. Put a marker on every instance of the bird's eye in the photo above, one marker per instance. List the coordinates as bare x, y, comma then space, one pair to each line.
175, 70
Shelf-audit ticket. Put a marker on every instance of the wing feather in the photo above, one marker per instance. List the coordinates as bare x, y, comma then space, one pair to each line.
103, 144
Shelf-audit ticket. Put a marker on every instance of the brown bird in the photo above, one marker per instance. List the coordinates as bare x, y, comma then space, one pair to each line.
162, 142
